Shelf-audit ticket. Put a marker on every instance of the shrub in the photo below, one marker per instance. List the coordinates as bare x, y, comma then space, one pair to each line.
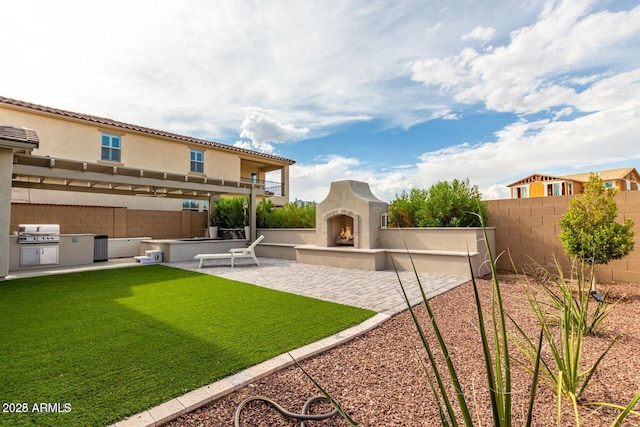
230, 212
404, 209
445, 204
589, 229
292, 215
568, 310
453, 204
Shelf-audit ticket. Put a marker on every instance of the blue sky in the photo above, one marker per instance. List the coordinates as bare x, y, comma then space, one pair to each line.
398, 94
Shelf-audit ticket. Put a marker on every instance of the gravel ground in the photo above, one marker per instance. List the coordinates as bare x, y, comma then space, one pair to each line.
378, 379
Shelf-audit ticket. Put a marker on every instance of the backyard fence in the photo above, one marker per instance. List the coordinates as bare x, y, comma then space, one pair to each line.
527, 230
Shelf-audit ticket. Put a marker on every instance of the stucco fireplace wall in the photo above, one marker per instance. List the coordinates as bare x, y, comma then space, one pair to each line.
353, 199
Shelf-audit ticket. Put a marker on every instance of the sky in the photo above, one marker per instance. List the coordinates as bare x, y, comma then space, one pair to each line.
398, 93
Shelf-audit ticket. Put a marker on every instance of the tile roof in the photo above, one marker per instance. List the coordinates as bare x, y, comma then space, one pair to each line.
10, 133
136, 128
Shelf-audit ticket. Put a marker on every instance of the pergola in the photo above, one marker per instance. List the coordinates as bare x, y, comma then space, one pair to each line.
70, 175
19, 168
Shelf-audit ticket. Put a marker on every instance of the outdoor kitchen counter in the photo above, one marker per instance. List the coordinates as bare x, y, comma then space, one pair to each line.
74, 249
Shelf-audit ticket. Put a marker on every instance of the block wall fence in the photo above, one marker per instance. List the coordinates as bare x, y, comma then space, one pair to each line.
527, 229
111, 221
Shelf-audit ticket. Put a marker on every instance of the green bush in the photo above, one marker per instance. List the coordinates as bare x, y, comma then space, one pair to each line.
230, 212
453, 204
445, 204
404, 209
589, 229
292, 215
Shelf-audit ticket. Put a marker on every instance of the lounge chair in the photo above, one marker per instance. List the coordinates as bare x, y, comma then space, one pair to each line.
233, 254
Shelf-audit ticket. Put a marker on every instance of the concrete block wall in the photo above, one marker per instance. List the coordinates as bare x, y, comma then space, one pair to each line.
527, 230
114, 222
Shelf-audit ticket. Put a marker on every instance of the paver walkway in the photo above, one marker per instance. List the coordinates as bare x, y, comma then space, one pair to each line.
375, 290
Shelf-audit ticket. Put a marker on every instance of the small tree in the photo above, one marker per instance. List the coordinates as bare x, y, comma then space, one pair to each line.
403, 211
453, 204
589, 230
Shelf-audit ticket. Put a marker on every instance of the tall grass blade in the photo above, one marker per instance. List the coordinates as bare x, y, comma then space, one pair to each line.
427, 347
443, 418
534, 381
486, 352
628, 409
464, 409
333, 402
505, 392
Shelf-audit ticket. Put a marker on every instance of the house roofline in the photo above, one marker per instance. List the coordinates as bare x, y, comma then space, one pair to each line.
141, 129
620, 173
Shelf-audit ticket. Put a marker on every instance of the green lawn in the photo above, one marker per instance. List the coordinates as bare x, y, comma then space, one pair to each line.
110, 343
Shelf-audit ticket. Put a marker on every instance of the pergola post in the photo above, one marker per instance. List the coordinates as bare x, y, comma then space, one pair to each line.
6, 167
252, 214
12, 139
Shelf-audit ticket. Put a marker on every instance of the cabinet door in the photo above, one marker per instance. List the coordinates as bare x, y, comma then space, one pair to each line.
29, 255
49, 255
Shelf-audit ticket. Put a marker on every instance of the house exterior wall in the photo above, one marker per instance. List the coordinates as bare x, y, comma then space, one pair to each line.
536, 189
527, 230
78, 140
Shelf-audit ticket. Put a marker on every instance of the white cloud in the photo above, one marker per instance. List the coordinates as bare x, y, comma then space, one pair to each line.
311, 182
268, 73
263, 131
483, 34
522, 76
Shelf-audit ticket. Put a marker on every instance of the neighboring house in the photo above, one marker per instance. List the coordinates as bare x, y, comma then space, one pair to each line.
71, 142
625, 179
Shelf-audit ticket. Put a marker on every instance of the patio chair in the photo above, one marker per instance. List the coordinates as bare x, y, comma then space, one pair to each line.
233, 254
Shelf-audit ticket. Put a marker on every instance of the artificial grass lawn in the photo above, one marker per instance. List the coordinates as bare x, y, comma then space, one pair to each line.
112, 343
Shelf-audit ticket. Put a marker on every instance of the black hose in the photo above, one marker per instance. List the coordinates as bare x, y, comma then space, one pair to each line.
302, 416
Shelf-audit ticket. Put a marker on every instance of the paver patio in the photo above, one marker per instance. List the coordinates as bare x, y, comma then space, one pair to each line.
375, 290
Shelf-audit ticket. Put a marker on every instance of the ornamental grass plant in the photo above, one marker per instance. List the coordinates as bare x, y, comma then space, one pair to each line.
566, 318
563, 336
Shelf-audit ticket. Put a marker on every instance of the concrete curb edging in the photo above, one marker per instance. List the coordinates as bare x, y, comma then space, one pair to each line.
194, 399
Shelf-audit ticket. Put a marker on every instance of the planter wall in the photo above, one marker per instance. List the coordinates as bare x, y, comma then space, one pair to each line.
434, 250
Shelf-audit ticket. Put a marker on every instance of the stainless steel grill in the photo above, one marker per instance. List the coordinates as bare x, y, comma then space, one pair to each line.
38, 233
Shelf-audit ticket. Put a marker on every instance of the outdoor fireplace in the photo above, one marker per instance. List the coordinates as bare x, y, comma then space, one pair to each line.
349, 216
342, 229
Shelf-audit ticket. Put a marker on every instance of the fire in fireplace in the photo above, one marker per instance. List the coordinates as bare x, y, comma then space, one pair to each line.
345, 237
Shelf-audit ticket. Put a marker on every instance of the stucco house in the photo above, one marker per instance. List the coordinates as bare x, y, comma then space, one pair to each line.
538, 185
91, 176
101, 142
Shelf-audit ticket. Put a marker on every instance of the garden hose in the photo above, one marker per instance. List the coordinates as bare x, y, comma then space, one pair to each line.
302, 416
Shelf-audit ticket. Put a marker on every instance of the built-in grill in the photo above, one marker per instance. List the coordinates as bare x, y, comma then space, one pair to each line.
39, 233
40, 244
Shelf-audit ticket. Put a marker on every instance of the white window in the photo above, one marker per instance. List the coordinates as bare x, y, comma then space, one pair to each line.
521, 192
197, 161
556, 189
609, 184
110, 148
384, 220
195, 205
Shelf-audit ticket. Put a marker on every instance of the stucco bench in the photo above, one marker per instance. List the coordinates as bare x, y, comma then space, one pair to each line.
233, 254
